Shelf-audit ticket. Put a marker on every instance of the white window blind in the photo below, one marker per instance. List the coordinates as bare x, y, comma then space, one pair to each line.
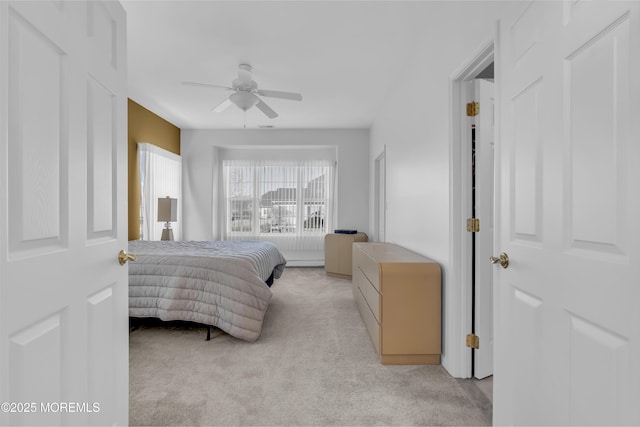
289, 203
160, 176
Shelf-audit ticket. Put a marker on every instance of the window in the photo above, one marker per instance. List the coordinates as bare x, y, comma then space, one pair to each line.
160, 176
277, 198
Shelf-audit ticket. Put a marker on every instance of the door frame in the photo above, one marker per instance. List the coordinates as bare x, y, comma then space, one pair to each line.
380, 186
459, 318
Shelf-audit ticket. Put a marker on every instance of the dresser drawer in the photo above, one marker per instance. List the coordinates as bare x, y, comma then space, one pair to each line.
368, 266
373, 327
370, 294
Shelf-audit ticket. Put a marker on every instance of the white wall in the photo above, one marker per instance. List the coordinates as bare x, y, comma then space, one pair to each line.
414, 126
197, 150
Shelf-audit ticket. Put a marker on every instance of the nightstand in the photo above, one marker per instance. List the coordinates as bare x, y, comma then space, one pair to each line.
338, 253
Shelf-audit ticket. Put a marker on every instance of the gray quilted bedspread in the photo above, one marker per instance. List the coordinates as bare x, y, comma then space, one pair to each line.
218, 283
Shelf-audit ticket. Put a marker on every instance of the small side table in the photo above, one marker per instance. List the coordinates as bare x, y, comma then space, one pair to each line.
338, 253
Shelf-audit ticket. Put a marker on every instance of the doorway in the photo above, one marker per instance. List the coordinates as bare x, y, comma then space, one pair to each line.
466, 319
476, 206
480, 135
380, 196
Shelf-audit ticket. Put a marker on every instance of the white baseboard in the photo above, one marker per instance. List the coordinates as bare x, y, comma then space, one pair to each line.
305, 263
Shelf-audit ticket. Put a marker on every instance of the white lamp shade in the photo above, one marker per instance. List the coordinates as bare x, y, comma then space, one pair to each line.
167, 209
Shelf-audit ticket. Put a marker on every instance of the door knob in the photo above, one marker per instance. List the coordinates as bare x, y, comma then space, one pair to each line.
503, 259
123, 257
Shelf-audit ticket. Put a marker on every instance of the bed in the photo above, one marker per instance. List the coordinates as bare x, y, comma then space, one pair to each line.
225, 284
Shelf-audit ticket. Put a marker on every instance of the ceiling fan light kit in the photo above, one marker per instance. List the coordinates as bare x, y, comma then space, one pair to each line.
243, 100
246, 93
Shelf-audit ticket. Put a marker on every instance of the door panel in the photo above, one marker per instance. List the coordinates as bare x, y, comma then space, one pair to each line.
529, 313
33, 350
63, 294
36, 75
101, 144
593, 346
567, 331
596, 140
526, 160
102, 354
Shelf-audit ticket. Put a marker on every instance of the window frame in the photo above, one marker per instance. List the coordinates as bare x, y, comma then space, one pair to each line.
300, 217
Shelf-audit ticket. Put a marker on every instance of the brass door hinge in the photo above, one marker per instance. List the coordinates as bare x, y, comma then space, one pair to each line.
473, 341
473, 109
473, 225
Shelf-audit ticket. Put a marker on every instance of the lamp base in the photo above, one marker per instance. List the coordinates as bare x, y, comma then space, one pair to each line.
167, 234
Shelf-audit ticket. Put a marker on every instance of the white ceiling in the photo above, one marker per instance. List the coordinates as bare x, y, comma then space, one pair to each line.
342, 56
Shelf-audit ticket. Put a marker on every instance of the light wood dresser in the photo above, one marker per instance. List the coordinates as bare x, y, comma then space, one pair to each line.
337, 253
398, 294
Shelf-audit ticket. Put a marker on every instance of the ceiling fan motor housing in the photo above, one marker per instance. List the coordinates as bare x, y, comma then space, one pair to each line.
251, 86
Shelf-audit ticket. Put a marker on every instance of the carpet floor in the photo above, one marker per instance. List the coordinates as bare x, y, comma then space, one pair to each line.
313, 365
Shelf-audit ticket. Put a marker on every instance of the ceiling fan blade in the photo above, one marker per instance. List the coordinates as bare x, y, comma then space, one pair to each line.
205, 85
266, 109
222, 106
278, 94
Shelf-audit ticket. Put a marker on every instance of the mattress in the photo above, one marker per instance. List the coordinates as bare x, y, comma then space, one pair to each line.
217, 283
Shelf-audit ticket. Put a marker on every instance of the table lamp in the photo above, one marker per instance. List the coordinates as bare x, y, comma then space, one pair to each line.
167, 213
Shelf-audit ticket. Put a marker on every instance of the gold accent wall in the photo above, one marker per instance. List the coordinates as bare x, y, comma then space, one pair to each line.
145, 126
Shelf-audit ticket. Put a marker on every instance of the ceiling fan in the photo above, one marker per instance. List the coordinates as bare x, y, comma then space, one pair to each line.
245, 93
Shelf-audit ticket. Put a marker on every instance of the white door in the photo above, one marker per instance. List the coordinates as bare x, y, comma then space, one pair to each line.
63, 294
483, 166
567, 322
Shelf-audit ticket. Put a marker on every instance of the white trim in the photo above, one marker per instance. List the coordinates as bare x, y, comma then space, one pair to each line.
457, 357
380, 223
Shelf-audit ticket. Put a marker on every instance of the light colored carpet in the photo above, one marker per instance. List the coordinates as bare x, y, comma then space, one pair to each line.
314, 364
